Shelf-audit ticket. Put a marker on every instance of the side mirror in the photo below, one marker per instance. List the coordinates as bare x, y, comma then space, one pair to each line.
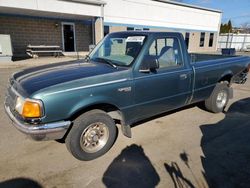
149, 65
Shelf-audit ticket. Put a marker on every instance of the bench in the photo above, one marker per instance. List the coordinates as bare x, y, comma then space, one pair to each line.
33, 51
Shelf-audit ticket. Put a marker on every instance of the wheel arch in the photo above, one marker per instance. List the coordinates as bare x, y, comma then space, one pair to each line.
112, 110
227, 76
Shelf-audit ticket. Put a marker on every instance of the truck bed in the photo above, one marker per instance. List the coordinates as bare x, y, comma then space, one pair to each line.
211, 68
195, 57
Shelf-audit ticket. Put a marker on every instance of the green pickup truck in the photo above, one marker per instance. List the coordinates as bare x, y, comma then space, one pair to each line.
129, 76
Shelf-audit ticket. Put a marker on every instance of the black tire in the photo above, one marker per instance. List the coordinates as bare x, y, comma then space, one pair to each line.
211, 103
83, 128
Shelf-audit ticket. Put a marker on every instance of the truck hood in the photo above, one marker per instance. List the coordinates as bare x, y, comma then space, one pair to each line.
37, 78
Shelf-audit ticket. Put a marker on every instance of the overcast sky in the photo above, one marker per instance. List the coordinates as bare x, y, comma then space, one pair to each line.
236, 10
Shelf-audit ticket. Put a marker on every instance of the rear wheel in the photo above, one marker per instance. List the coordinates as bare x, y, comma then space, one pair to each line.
219, 98
92, 135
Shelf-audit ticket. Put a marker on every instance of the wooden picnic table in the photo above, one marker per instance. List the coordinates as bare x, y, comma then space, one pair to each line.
34, 50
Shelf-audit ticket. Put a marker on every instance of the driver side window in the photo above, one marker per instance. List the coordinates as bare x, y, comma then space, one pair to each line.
168, 52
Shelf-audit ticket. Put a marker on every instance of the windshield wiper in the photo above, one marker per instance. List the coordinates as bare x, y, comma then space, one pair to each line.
107, 61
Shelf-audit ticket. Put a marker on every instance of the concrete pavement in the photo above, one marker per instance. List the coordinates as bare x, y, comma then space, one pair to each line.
185, 148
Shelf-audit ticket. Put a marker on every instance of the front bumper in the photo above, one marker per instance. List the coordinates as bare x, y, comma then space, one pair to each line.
49, 131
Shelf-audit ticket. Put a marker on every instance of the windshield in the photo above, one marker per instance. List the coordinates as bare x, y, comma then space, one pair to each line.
119, 49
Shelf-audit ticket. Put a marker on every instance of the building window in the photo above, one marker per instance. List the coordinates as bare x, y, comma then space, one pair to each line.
130, 29
202, 39
211, 39
187, 35
106, 30
138, 29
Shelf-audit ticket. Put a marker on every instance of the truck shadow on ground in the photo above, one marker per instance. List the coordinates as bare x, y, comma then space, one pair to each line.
20, 183
226, 148
131, 168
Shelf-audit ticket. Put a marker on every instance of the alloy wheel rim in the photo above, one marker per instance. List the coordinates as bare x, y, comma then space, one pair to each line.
94, 137
221, 99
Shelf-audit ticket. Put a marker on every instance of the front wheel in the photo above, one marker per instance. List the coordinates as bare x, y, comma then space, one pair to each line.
219, 98
91, 136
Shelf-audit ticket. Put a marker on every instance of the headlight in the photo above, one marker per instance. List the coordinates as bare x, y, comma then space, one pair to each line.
29, 108
19, 105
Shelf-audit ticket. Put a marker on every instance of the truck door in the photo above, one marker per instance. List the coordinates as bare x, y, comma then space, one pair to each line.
167, 87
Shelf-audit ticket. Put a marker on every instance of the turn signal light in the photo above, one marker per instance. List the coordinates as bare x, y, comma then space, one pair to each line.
31, 109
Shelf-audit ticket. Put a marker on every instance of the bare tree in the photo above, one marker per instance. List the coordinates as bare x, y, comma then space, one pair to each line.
245, 27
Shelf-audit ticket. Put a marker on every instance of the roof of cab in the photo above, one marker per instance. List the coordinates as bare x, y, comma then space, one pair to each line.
145, 32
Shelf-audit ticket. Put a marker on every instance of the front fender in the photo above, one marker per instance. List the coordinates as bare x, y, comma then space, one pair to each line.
92, 101
97, 102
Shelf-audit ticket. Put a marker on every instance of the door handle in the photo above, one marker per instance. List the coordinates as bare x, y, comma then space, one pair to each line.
183, 76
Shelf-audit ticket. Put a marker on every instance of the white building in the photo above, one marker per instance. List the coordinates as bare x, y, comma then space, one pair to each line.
75, 24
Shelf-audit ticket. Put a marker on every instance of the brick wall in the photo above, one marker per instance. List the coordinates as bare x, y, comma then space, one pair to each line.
36, 31
98, 30
194, 42
117, 28
83, 36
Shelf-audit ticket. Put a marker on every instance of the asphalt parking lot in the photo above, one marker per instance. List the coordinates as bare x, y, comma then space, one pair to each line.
185, 148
